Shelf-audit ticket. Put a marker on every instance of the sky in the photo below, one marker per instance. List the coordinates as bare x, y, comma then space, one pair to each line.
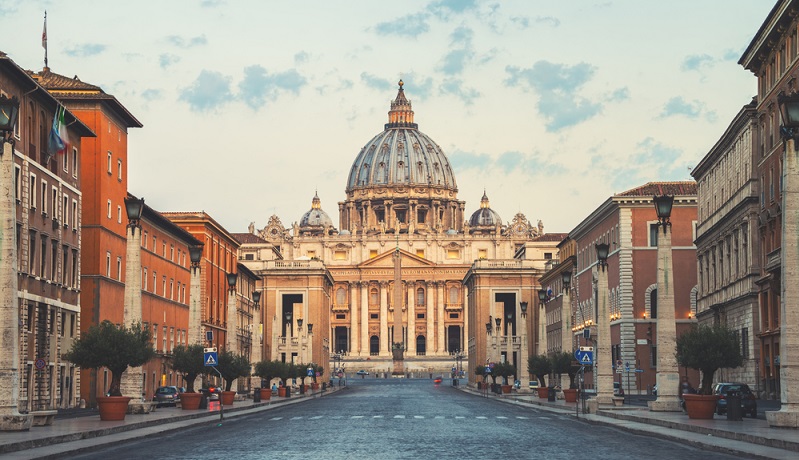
251, 107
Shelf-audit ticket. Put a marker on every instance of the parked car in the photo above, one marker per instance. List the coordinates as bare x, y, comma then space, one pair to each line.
748, 400
212, 393
362, 372
166, 396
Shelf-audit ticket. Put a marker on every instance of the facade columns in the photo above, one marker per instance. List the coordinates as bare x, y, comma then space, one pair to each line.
10, 418
352, 332
383, 318
364, 350
411, 314
440, 328
788, 415
429, 338
668, 376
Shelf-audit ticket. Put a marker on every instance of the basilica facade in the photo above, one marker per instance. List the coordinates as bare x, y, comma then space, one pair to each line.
333, 290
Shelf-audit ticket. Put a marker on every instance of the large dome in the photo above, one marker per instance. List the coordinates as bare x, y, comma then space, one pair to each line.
401, 155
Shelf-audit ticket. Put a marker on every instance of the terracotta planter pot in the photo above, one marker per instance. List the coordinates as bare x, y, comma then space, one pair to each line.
266, 394
701, 407
113, 407
281, 392
506, 388
543, 392
570, 395
190, 401
228, 398
314, 386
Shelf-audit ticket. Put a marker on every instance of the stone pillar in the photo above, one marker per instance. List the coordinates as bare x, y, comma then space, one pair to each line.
195, 320
788, 415
440, 328
231, 329
430, 333
132, 381
668, 376
603, 362
542, 329
10, 418
411, 314
565, 322
352, 333
364, 350
383, 318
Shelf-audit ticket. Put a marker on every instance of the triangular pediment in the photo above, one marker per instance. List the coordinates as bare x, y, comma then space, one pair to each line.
407, 260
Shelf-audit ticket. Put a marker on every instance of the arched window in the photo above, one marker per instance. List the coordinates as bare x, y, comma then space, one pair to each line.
653, 303
374, 297
420, 296
341, 296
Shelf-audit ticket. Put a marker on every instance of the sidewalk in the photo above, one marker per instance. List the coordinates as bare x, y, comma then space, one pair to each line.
73, 435
752, 438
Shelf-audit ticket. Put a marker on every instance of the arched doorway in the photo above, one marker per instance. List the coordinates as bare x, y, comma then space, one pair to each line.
454, 339
374, 345
421, 347
342, 340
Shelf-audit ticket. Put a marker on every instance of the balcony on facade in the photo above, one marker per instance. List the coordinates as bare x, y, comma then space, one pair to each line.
773, 261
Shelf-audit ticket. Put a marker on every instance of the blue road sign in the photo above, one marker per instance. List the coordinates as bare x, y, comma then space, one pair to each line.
586, 358
210, 359
310, 372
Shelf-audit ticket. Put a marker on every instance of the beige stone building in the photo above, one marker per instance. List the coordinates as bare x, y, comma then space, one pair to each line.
401, 195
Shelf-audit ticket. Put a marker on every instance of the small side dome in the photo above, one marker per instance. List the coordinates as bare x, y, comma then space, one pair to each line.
485, 216
451, 231
316, 218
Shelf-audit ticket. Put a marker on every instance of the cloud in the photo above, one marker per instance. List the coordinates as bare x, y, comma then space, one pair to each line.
650, 160
375, 82
260, 86
209, 91
211, 3
621, 94
151, 94
411, 25
679, 106
454, 86
557, 86
184, 43
697, 62
732, 55
85, 50
301, 58
446, 8
8, 7
548, 20
461, 53
507, 162
165, 60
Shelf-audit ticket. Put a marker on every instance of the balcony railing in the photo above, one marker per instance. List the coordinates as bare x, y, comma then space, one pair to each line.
453, 306
773, 260
341, 307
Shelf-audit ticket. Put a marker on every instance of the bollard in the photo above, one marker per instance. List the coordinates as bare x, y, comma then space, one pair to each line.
734, 406
256, 396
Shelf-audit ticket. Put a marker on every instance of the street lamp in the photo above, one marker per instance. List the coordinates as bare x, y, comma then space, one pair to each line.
523, 307
195, 321
567, 336
542, 322
788, 415
667, 372
299, 324
134, 208
604, 361
9, 306
9, 110
256, 298
231, 282
132, 384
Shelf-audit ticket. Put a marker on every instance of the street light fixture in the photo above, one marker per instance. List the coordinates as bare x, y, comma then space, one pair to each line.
9, 110
602, 250
523, 307
299, 324
789, 109
231, 281
498, 320
663, 205
256, 298
195, 254
134, 208
488, 326
310, 329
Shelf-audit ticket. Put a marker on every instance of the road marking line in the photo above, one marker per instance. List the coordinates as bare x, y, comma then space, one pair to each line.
459, 416
377, 416
418, 416
317, 417
357, 416
336, 417
296, 418
481, 417
501, 417
440, 416
399, 416
522, 418
276, 418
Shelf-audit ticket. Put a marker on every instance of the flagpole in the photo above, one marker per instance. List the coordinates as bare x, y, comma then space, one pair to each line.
44, 39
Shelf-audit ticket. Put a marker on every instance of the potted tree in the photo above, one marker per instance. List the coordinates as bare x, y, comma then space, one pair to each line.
708, 349
561, 363
540, 366
318, 372
267, 371
188, 361
231, 367
283, 371
116, 348
505, 370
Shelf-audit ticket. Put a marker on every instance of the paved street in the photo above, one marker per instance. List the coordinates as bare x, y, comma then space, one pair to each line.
402, 419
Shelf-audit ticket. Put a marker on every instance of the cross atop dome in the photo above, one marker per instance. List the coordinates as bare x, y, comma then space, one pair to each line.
401, 113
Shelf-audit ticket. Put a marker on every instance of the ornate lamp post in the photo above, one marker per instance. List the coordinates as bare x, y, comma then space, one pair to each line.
542, 322
132, 382
788, 415
255, 347
567, 336
604, 361
10, 418
668, 376
195, 321
232, 315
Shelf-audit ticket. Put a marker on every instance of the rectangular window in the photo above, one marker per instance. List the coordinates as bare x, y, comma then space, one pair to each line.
64, 259
453, 254
108, 209
65, 210
653, 235
119, 170
420, 253
374, 316
74, 162
32, 188
172, 252
44, 199
144, 240
653, 357
171, 289
163, 286
482, 253
171, 338
164, 339
420, 316
108, 264
74, 270
119, 214
109, 162
74, 215
155, 336
339, 255
119, 268
144, 278
54, 260
54, 202
745, 342
372, 253
43, 258
312, 254
155, 278
17, 183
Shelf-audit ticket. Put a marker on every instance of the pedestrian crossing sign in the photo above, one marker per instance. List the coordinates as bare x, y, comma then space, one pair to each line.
210, 359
